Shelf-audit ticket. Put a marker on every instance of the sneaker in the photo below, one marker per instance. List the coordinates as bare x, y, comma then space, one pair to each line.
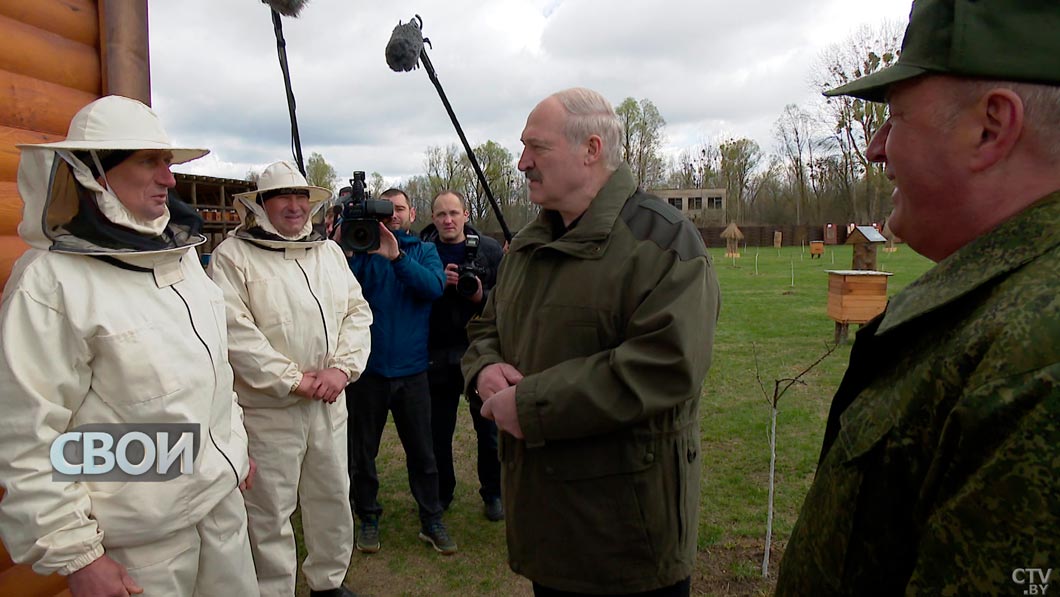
438, 537
368, 537
494, 510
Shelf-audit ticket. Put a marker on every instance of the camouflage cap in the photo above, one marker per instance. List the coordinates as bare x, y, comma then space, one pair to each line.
1009, 40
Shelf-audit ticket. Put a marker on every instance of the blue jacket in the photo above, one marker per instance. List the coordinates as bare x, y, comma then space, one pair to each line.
400, 295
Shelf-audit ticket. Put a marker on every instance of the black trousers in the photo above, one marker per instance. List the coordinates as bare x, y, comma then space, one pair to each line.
680, 589
447, 384
408, 398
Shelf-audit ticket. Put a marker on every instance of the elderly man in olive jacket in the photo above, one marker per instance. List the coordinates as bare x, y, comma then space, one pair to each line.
590, 355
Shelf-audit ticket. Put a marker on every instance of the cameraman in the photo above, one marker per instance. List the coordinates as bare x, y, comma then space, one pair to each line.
448, 340
400, 280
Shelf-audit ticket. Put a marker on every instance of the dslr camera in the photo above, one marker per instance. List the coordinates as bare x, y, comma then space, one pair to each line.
469, 273
361, 216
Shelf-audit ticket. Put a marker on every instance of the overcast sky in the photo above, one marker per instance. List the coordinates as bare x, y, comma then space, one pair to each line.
713, 68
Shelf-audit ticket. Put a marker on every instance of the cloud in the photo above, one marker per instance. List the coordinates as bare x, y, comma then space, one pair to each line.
710, 66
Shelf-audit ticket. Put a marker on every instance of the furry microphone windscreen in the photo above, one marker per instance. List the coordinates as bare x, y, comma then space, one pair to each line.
288, 8
403, 50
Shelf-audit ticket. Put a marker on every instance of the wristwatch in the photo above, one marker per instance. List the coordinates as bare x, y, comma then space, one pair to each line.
401, 255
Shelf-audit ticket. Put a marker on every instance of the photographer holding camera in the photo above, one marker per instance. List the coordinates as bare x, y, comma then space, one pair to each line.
401, 277
471, 261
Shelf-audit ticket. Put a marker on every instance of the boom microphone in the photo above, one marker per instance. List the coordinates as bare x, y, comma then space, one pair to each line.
404, 53
288, 8
406, 43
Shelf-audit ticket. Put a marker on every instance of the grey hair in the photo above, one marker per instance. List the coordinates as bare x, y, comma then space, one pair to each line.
1041, 110
589, 113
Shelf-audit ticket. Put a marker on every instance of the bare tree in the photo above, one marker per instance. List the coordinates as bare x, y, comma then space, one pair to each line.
695, 168
767, 183
855, 121
420, 193
498, 167
780, 386
739, 158
450, 168
793, 132
445, 168
376, 184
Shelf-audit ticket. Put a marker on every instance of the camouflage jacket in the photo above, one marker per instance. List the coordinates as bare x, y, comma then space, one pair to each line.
939, 472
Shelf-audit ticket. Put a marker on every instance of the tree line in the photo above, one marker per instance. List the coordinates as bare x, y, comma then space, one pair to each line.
818, 173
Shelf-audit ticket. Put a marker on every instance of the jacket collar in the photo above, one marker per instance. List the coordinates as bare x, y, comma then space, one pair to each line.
1015, 242
588, 238
405, 239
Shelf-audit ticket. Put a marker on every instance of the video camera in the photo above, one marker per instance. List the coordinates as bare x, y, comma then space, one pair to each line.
361, 216
469, 273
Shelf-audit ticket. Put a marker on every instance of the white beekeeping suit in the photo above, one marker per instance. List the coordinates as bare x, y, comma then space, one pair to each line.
109, 318
294, 308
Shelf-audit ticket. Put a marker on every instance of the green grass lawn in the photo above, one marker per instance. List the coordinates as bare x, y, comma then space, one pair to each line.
763, 312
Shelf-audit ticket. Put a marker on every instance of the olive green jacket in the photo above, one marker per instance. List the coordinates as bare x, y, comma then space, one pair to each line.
612, 325
940, 473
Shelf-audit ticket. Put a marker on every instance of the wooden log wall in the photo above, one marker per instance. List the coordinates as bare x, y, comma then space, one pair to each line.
55, 57
49, 69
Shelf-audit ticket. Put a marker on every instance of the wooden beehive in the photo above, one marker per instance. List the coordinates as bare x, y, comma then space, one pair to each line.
856, 296
816, 248
865, 239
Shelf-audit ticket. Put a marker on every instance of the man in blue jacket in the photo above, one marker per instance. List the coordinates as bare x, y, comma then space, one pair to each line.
400, 280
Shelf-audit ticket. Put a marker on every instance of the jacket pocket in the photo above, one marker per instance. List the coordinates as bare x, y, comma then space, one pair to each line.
859, 433
269, 302
599, 457
687, 475
600, 500
568, 332
134, 366
843, 502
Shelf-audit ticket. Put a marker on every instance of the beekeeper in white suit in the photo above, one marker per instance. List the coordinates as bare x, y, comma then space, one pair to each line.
298, 334
109, 318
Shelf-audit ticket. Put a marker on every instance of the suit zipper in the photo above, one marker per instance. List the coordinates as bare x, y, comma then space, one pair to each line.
213, 368
323, 319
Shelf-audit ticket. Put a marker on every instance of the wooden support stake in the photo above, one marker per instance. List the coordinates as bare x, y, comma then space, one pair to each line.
841, 330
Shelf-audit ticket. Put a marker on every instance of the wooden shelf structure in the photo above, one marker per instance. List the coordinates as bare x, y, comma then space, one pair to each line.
213, 197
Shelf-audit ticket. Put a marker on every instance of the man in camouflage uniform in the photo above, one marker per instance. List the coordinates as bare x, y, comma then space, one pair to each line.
938, 474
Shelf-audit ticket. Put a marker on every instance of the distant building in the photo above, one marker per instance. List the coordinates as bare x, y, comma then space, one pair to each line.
705, 207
